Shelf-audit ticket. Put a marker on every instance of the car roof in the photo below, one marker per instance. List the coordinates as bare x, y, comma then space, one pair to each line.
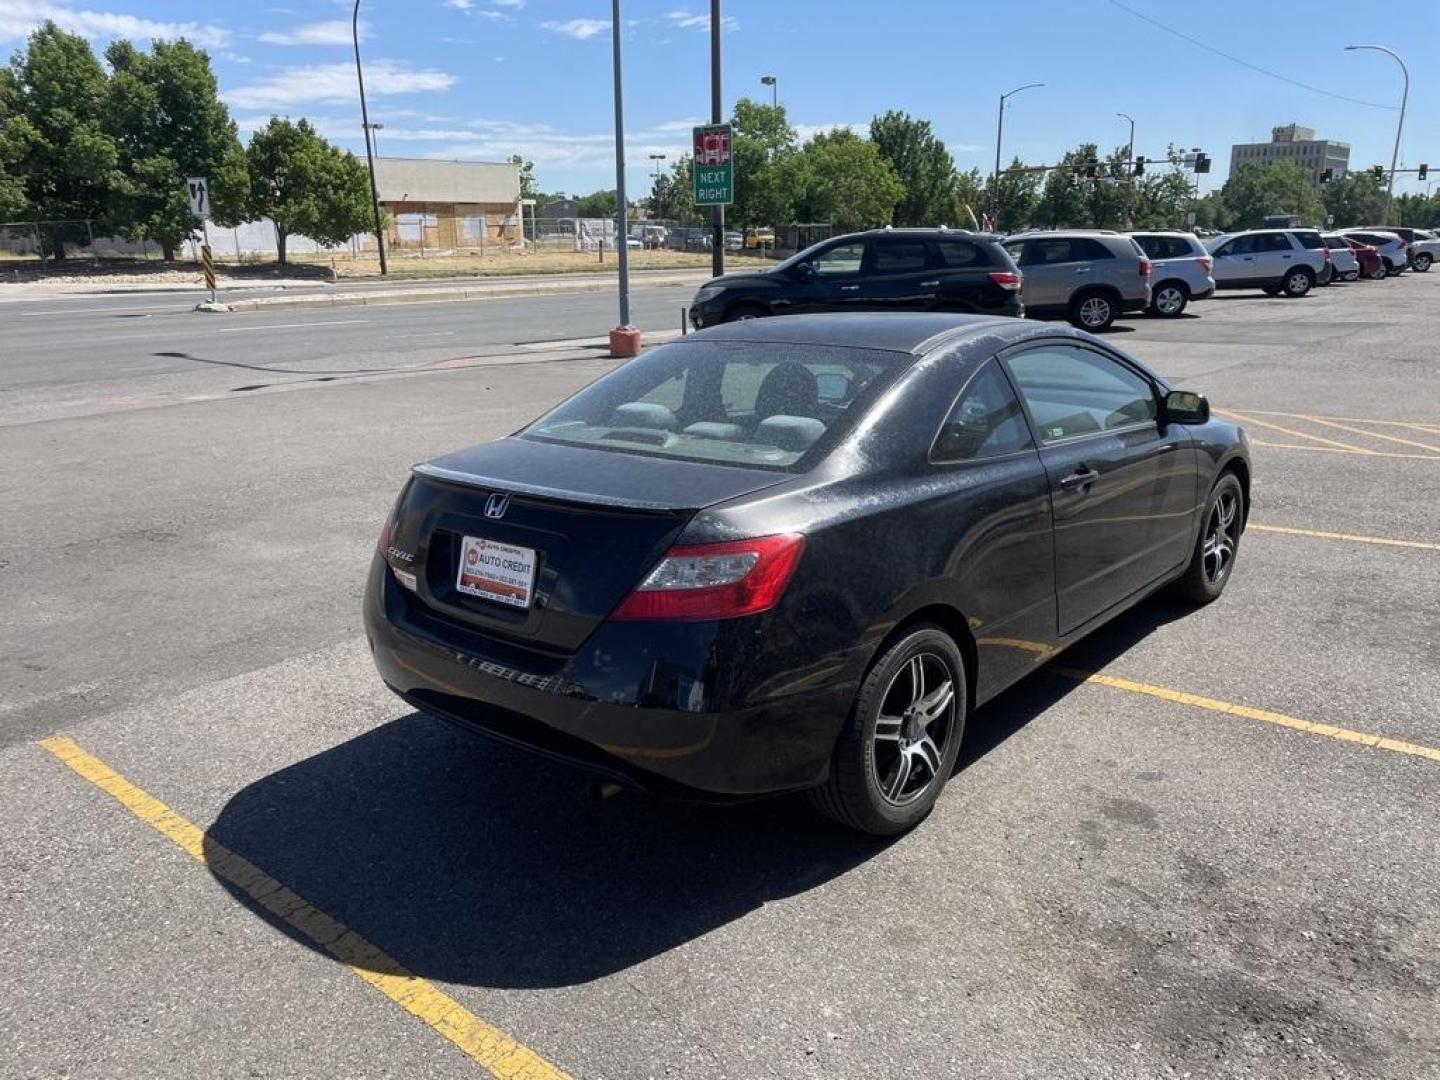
1062, 232
916, 333
964, 234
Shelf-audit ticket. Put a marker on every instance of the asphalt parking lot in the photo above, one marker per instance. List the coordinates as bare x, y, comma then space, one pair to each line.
1202, 843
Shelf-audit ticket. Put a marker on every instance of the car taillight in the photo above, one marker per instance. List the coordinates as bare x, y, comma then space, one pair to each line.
1402, 243
715, 581
1144, 267
387, 531
1206, 262
1005, 279
1326, 250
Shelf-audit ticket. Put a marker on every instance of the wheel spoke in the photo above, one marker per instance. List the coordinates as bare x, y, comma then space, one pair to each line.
929, 753
917, 680
937, 701
901, 777
887, 728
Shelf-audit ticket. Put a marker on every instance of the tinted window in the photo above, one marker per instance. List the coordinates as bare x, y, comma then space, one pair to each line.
1164, 247
1309, 240
1272, 242
1016, 250
841, 259
1045, 252
1336, 243
1090, 249
986, 421
732, 403
1073, 391
899, 256
958, 254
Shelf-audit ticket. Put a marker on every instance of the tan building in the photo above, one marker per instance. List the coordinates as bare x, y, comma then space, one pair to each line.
1291, 142
449, 205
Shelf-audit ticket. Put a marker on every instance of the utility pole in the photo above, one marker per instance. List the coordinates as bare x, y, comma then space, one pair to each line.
717, 116
621, 246
1399, 127
369, 154
995, 178
1129, 168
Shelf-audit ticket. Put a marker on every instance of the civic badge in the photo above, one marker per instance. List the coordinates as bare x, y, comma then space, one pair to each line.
496, 505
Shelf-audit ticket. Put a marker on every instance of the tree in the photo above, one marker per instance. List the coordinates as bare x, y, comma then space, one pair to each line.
923, 165
1357, 198
165, 115
598, 204
305, 185
1067, 196
763, 142
1415, 211
967, 201
1012, 196
14, 140
528, 189
68, 163
1277, 187
1163, 195
843, 179
671, 198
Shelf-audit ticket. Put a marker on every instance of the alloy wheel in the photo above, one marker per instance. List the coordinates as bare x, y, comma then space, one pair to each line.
1169, 300
1095, 311
1222, 533
913, 730
1297, 284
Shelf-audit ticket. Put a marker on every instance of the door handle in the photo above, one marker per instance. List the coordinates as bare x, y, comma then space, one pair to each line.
929, 284
848, 288
1083, 270
1081, 478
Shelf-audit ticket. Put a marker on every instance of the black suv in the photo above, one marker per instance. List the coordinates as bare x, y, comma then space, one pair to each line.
882, 270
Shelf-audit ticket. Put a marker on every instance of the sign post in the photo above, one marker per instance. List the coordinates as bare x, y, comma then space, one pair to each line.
198, 189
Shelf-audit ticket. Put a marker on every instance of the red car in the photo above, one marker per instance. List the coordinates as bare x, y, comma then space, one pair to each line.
1372, 266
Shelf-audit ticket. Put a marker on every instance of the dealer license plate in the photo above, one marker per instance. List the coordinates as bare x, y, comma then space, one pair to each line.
494, 571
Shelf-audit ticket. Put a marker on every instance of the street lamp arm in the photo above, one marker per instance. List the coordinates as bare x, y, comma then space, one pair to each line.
1400, 124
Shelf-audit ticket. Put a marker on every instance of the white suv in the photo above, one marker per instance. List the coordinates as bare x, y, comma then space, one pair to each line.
1180, 270
1288, 261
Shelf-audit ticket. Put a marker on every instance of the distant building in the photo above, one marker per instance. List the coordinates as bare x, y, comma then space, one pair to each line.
449, 205
561, 208
1298, 144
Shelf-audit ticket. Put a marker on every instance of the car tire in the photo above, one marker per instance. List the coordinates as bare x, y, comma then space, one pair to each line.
1422, 262
1350, 275
740, 312
1213, 560
1327, 275
885, 774
1093, 310
1299, 281
1168, 299
1391, 270
1380, 272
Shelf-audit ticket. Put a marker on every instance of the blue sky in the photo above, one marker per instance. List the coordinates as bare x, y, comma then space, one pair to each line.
485, 78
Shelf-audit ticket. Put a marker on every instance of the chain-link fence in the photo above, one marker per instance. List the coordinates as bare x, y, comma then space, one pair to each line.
658, 234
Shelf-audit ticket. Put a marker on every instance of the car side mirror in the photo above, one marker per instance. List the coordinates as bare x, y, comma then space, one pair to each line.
1185, 407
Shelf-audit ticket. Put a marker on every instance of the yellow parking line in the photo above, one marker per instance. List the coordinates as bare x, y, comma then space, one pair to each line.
1372, 434
1339, 450
1330, 731
1291, 431
1423, 545
1430, 428
490, 1048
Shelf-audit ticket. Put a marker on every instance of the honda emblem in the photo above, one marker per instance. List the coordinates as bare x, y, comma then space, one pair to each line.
496, 505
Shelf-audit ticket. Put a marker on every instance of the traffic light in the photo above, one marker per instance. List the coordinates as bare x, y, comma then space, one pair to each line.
1202, 162
1377, 171
1139, 166
1327, 176
1424, 171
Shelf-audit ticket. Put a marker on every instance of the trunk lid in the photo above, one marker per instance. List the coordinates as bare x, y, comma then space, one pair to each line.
596, 521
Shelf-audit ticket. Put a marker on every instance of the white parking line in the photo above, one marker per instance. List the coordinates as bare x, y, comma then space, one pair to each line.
290, 325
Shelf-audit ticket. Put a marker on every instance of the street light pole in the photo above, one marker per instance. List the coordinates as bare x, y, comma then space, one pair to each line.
772, 81
1399, 127
621, 246
369, 153
999, 133
1130, 167
717, 116
655, 191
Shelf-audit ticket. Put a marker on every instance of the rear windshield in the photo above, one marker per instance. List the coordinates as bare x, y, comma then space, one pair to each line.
752, 404
1336, 242
1165, 247
1309, 240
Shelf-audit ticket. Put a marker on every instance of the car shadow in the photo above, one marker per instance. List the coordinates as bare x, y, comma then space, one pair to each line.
475, 864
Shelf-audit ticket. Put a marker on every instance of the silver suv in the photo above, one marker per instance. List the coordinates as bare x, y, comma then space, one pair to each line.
1389, 243
1421, 245
1288, 261
1087, 277
1181, 270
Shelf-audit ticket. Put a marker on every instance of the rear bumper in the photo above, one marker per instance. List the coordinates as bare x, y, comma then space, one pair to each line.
649, 705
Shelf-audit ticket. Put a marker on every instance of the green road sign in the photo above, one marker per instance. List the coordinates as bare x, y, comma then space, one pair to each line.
712, 172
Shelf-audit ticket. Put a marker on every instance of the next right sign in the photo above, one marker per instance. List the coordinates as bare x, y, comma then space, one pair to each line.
711, 170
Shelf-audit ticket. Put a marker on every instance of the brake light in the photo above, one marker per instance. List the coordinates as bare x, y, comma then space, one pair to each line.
1005, 279
1206, 262
387, 531
715, 581
1326, 250
1144, 267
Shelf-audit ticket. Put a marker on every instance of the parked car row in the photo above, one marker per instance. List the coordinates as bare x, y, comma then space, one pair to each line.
1090, 277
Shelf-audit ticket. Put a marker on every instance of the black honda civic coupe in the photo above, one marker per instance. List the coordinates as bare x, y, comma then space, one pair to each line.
797, 553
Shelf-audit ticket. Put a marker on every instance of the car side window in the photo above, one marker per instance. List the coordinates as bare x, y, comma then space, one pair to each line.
1090, 249
960, 254
898, 257
839, 260
985, 422
1016, 250
1071, 390
1045, 252
1273, 242
1241, 245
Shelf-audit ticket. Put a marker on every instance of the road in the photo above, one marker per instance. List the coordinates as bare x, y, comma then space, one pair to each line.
1185, 850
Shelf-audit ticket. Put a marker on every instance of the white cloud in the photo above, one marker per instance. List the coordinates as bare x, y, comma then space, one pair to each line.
516, 4
686, 21
805, 132
459, 5
579, 29
19, 17
332, 84
331, 32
